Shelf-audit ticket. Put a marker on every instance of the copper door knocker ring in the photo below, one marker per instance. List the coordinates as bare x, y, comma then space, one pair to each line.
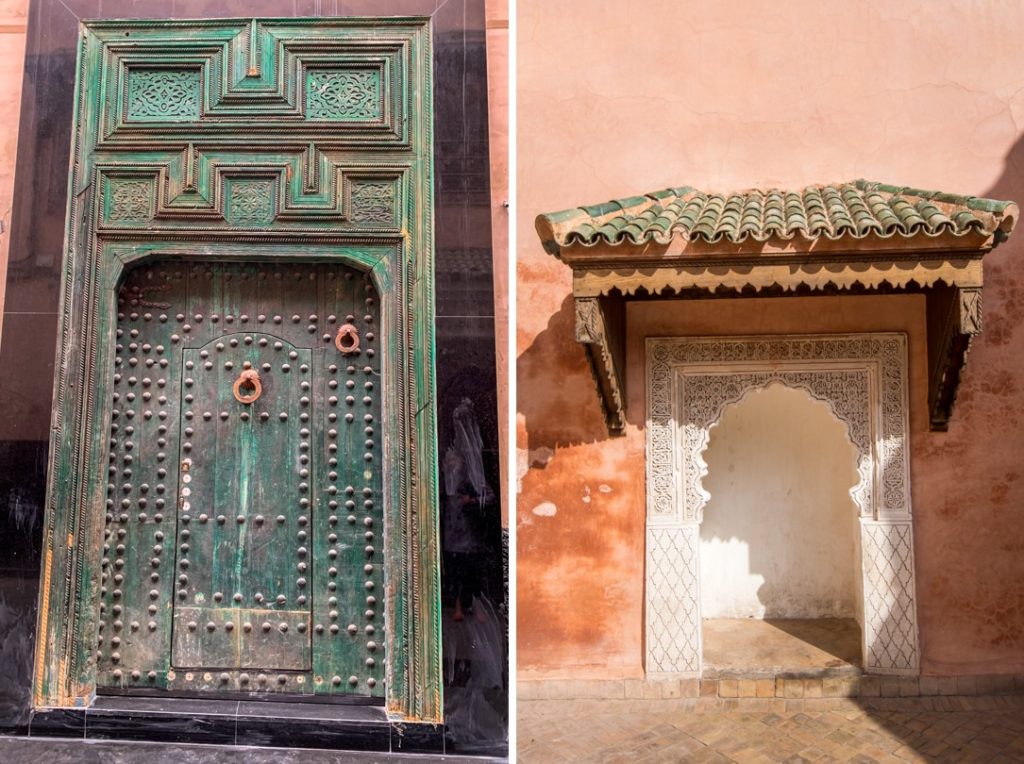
250, 379
347, 339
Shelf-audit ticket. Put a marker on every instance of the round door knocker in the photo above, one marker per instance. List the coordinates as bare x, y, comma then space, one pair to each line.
247, 387
347, 339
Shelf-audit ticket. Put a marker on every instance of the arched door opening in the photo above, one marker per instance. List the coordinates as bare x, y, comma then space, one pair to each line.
779, 557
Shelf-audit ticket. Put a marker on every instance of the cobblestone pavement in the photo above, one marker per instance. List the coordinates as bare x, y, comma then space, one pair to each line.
947, 729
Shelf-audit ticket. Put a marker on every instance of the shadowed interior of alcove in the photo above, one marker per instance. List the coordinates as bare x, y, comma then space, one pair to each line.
779, 557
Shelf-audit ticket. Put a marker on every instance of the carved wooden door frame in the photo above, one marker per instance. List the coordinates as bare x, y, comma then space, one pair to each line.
690, 381
350, 181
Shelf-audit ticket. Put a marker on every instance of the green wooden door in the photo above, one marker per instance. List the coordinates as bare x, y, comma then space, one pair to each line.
242, 545
267, 180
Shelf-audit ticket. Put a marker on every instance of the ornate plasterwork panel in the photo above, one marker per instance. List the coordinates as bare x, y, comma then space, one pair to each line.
690, 381
286, 140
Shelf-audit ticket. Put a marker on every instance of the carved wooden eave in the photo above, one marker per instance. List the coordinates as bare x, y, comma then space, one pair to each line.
854, 238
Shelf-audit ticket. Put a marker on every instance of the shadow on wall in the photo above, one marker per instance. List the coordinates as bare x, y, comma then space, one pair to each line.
983, 424
556, 390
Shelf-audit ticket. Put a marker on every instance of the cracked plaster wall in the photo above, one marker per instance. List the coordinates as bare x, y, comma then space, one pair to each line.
769, 94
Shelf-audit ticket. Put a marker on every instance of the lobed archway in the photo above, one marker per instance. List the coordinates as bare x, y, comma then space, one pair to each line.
690, 382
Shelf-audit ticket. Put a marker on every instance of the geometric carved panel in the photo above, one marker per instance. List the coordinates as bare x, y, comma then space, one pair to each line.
130, 201
673, 600
344, 95
250, 202
372, 202
163, 95
690, 382
889, 623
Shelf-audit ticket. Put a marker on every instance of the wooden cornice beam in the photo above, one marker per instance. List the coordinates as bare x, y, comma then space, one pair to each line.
954, 318
600, 328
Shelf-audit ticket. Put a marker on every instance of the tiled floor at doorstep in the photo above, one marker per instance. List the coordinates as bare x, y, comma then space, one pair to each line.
941, 729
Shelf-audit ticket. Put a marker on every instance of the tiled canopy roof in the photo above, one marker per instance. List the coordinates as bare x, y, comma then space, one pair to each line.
858, 210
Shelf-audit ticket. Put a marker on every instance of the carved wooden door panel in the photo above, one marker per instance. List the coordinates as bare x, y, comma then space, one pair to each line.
242, 545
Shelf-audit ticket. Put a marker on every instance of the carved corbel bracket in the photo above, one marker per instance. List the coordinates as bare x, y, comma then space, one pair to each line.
954, 317
600, 328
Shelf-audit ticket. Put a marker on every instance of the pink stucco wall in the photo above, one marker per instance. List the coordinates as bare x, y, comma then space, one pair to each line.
727, 96
13, 26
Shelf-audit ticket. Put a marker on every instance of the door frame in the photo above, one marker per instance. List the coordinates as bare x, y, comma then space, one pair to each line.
399, 257
690, 382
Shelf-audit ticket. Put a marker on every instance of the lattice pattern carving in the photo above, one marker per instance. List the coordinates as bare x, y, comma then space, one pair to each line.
890, 623
343, 95
252, 203
163, 95
689, 384
130, 201
673, 594
372, 201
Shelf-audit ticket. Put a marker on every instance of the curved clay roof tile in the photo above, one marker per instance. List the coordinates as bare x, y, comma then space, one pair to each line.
860, 209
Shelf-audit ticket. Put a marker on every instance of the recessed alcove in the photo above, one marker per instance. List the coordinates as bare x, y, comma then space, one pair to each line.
779, 556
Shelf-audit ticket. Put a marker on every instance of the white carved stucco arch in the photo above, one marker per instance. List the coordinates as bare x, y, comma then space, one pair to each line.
690, 381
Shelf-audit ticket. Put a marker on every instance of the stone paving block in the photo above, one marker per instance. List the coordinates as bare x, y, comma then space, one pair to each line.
633, 688
870, 686
765, 688
812, 688
670, 688
558, 689
966, 685
1003, 684
690, 687
947, 685
890, 686
909, 687
928, 685
529, 690
793, 688
849, 687
709, 688
728, 688
746, 688
652, 690
985, 684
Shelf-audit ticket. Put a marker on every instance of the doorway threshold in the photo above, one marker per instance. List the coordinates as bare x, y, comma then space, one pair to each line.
794, 648
239, 723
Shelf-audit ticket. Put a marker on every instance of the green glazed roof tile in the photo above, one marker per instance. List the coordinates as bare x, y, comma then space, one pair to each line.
858, 209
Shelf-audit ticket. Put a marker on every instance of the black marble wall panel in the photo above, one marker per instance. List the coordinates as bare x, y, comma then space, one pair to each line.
475, 615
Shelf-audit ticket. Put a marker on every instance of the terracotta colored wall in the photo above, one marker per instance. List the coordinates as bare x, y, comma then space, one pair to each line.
783, 94
13, 21
497, 125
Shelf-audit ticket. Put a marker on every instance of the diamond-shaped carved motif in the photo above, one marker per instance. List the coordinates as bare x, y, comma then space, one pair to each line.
163, 95
889, 621
344, 95
673, 620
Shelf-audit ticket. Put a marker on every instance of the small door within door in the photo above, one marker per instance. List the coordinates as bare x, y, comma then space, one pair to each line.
243, 548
